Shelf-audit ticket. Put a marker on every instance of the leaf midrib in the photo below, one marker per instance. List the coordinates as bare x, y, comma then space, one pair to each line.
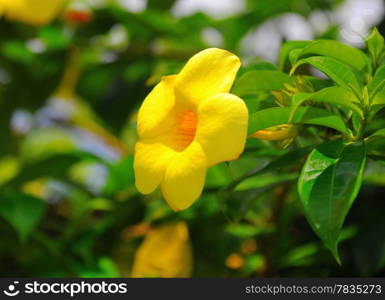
332, 189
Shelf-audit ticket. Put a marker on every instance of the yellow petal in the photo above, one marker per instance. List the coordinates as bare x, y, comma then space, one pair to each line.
222, 127
156, 116
184, 179
207, 73
151, 161
165, 252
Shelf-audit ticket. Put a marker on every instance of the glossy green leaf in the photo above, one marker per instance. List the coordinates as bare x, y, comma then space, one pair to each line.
337, 50
356, 122
22, 211
377, 83
257, 66
264, 180
121, 176
378, 77
304, 115
286, 49
293, 55
260, 80
380, 132
329, 182
317, 83
276, 165
334, 95
379, 88
375, 137
378, 101
340, 73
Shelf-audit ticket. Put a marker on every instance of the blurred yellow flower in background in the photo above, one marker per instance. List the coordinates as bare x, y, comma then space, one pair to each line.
165, 252
188, 123
34, 12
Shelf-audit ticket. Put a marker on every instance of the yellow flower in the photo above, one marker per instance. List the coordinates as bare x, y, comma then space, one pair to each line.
276, 133
188, 123
34, 12
165, 252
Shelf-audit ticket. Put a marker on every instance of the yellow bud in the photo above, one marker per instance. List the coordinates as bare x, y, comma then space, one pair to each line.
165, 252
276, 133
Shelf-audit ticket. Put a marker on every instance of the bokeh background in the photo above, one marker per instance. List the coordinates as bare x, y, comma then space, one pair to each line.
69, 93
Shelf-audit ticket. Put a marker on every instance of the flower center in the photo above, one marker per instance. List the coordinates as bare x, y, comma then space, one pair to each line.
187, 125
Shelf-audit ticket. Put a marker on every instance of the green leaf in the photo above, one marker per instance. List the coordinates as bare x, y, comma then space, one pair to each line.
378, 102
317, 83
244, 230
218, 175
339, 72
337, 50
120, 177
377, 83
53, 166
17, 51
104, 268
263, 180
256, 66
293, 56
334, 95
276, 165
260, 80
303, 255
378, 89
329, 182
160, 5
55, 38
286, 49
380, 132
375, 171
376, 136
375, 43
22, 211
304, 115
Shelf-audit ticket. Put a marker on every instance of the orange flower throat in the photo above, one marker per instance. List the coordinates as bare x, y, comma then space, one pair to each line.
187, 125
